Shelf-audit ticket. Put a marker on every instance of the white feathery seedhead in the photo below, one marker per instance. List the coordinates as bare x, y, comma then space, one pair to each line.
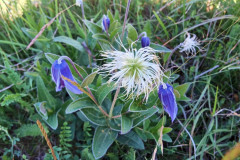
138, 71
189, 45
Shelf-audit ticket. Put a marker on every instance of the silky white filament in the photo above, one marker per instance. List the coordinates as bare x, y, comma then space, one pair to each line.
138, 71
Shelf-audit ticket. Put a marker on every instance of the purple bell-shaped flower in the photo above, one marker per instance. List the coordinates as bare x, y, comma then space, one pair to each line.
59, 69
145, 41
167, 97
105, 23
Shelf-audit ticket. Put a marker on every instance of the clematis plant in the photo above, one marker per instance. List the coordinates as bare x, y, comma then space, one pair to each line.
124, 89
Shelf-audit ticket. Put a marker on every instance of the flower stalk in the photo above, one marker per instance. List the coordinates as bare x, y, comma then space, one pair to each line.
125, 18
114, 101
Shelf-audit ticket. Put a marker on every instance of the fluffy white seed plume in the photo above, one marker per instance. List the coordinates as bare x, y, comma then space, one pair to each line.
138, 71
189, 45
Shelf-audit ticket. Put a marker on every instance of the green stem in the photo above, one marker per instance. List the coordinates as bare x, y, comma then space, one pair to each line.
125, 18
114, 101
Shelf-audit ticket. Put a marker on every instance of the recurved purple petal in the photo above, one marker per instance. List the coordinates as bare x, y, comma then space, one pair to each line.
56, 76
66, 72
168, 100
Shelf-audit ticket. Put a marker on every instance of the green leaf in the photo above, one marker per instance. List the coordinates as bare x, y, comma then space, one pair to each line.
74, 96
43, 94
113, 26
92, 27
117, 16
137, 107
79, 104
115, 124
166, 138
115, 31
105, 46
126, 124
161, 123
101, 37
103, 91
147, 28
166, 56
162, 24
86, 154
131, 139
166, 130
182, 89
102, 140
140, 117
176, 93
41, 109
94, 116
126, 106
89, 79
132, 33
52, 120
51, 57
110, 16
156, 130
143, 134
69, 41
160, 48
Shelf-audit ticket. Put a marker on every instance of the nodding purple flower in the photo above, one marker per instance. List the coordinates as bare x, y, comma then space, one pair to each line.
105, 23
167, 97
145, 41
59, 69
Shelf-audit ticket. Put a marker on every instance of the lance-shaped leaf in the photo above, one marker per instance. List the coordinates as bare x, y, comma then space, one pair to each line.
102, 140
132, 33
94, 116
141, 116
93, 27
80, 104
89, 79
52, 120
182, 89
103, 91
160, 48
41, 109
131, 139
126, 124
43, 94
69, 41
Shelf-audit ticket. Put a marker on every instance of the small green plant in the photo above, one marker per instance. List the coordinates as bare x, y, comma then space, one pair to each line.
65, 141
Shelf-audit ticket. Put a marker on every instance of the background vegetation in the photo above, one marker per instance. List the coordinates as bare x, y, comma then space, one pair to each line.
211, 118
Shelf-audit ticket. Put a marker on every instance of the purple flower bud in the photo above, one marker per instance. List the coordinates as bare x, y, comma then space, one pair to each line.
167, 97
105, 23
145, 41
62, 69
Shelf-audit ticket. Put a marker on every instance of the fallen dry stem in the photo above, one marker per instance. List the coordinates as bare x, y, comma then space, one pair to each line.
45, 26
